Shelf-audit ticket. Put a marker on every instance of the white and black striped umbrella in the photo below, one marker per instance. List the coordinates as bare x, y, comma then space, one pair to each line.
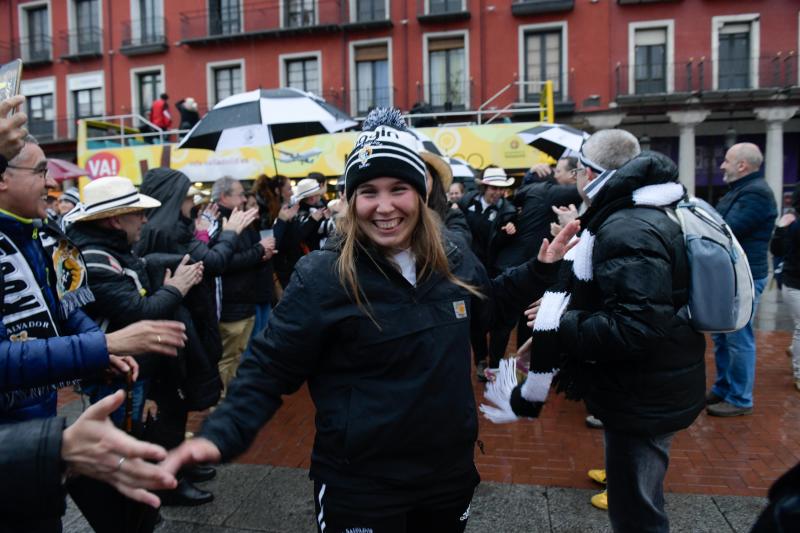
263, 117
462, 171
554, 139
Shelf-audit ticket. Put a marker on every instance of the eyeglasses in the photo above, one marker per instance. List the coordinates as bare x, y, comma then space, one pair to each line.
41, 170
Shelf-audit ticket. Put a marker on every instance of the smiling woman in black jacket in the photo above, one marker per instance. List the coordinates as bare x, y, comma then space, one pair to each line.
378, 325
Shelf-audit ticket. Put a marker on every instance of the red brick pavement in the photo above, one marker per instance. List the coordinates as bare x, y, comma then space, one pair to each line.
735, 456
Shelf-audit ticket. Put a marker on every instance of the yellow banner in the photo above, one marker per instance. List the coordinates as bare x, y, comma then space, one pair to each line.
480, 146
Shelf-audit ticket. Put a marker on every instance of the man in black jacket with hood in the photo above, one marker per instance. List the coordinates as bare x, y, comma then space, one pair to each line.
617, 327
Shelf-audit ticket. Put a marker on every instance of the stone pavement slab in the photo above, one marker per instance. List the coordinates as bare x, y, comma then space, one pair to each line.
279, 500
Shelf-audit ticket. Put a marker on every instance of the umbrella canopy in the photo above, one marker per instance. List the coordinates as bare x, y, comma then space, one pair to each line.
263, 117
554, 139
62, 170
462, 171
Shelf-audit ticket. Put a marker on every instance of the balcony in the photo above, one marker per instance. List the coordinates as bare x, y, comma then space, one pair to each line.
144, 36
370, 14
81, 44
752, 78
521, 8
34, 51
451, 96
362, 101
433, 11
266, 19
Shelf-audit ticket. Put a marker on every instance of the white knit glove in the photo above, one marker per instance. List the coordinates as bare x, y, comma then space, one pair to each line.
499, 393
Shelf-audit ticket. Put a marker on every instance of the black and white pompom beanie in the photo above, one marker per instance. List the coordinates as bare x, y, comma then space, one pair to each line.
385, 149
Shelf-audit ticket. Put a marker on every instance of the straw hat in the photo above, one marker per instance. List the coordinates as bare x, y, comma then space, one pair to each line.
112, 196
440, 166
305, 188
71, 195
496, 177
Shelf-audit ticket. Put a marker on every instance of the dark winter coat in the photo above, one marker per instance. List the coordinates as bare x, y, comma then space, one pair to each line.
642, 360
32, 495
247, 280
394, 404
750, 210
122, 284
786, 244
485, 224
29, 370
535, 203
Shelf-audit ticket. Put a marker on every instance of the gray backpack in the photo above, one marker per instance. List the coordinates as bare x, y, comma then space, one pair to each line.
721, 290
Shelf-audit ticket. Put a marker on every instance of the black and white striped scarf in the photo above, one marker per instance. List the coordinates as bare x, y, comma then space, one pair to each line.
575, 283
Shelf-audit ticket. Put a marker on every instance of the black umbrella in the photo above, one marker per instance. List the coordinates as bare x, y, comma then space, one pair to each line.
264, 117
554, 139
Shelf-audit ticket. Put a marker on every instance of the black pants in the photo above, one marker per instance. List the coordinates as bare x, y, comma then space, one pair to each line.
341, 511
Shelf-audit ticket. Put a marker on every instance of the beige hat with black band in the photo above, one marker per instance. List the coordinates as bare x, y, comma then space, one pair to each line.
112, 196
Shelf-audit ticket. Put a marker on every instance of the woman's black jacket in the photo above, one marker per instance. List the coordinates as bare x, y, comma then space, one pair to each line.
394, 399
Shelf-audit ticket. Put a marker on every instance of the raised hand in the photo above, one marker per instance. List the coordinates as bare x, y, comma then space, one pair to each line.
186, 276
93, 447
562, 243
531, 312
239, 220
12, 129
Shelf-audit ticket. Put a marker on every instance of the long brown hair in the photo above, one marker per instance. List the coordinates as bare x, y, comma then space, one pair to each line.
426, 246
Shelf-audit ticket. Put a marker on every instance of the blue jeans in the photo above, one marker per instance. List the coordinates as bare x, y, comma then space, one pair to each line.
262, 317
635, 470
735, 355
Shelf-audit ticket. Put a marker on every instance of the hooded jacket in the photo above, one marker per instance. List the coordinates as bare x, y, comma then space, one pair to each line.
750, 210
641, 360
393, 397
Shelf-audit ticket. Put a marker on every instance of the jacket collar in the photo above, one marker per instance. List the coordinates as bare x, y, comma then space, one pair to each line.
741, 182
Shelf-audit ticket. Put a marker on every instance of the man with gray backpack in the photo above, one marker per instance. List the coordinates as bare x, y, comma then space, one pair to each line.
750, 211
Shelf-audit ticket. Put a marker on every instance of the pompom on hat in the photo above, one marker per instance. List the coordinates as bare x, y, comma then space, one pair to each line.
385, 149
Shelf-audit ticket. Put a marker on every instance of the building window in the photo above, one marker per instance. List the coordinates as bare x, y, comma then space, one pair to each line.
447, 75
41, 116
224, 17
148, 89
370, 10
444, 6
227, 82
303, 74
372, 78
299, 13
37, 45
150, 23
734, 56
87, 33
88, 102
543, 61
650, 61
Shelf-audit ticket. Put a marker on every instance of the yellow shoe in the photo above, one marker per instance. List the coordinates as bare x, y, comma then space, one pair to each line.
598, 475
600, 500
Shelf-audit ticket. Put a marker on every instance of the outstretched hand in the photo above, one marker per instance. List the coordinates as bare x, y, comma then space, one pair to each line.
192, 451
551, 252
93, 447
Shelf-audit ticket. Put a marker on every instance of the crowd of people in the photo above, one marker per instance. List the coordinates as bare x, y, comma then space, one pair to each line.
385, 297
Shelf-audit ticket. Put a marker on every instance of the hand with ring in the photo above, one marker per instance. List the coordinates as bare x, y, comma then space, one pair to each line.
93, 447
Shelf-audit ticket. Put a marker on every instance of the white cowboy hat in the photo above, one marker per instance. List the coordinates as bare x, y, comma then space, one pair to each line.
112, 196
305, 188
496, 177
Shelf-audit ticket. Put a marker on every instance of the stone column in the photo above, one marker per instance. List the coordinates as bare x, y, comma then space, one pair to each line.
687, 120
773, 154
604, 121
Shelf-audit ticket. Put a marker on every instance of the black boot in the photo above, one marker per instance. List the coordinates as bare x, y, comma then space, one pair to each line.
199, 473
185, 494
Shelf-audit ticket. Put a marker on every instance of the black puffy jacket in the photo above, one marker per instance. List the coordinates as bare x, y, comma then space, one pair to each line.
487, 238
394, 403
644, 362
